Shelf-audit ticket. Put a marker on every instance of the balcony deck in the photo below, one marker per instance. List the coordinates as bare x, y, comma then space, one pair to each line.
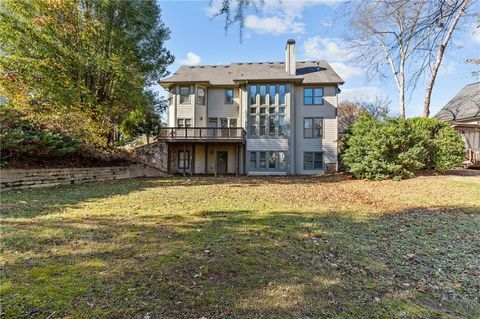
235, 135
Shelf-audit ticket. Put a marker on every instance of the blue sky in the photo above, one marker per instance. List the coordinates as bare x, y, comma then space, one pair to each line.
319, 31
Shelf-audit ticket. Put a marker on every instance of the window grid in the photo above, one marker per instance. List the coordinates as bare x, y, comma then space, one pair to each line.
267, 161
269, 118
183, 159
313, 96
312, 160
184, 95
313, 127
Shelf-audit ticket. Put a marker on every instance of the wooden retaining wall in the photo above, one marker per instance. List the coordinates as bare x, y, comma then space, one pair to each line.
12, 179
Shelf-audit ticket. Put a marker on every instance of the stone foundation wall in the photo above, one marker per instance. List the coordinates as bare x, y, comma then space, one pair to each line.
154, 154
12, 179
330, 167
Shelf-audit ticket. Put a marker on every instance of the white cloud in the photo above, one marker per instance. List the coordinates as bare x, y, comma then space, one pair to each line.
364, 93
326, 49
346, 71
191, 59
274, 25
335, 52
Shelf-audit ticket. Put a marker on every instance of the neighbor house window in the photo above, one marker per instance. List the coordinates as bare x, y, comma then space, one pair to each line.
228, 96
282, 90
312, 127
201, 96
183, 159
184, 94
263, 94
184, 122
271, 94
253, 94
313, 96
312, 160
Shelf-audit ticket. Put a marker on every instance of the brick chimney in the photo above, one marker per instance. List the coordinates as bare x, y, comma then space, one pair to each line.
290, 60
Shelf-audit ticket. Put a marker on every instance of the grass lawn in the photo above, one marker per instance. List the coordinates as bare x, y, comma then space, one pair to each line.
243, 248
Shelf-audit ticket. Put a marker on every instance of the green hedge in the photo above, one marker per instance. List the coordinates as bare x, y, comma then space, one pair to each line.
397, 147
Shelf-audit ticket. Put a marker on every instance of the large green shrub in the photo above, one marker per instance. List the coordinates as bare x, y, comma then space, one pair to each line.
397, 147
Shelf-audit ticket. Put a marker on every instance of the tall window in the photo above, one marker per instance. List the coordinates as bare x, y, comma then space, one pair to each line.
271, 94
281, 125
312, 127
272, 161
282, 90
253, 160
228, 96
201, 96
313, 96
271, 125
253, 126
263, 94
281, 161
312, 160
184, 94
263, 160
184, 122
253, 94
183, 159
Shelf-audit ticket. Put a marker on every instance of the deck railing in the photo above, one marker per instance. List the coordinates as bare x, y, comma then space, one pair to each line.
202, 134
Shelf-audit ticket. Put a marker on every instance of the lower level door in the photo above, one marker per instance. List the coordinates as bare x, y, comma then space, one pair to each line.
222, 162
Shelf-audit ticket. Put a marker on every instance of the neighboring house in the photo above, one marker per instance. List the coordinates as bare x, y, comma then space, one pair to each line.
463, 113
254, 118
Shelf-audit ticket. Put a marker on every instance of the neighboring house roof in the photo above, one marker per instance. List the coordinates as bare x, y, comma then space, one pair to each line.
307, 72
464, 106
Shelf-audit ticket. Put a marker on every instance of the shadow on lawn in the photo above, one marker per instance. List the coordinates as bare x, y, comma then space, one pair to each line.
42, 201
415, 263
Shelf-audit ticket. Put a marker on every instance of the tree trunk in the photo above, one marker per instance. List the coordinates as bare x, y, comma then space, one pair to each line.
438, 62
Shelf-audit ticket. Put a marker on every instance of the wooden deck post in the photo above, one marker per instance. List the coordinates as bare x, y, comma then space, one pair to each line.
192, 170
184, 154
215, 159
236, 160
206, 159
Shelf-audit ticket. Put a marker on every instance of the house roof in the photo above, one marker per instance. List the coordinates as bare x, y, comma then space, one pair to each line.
465, 105
307, 72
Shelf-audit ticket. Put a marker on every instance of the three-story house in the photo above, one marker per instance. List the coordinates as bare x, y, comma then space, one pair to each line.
253, 118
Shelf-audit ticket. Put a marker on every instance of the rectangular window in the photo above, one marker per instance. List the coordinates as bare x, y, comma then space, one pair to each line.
312, 127
263, 160
201, 96
253, 160
312, 160
263, 94
253, 126
228, 96
183, 159
253, 110
253, 94
263, 125
184, 95
282, 90
281, 125
271, 94
184, 122
281, 161
313, 96
271, 125
272, 160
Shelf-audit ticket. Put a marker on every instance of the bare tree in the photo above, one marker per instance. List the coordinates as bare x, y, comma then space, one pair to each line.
349, 111
404, 36
448, 18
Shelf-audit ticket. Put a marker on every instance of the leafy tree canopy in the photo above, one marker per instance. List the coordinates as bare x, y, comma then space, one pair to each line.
82, 66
